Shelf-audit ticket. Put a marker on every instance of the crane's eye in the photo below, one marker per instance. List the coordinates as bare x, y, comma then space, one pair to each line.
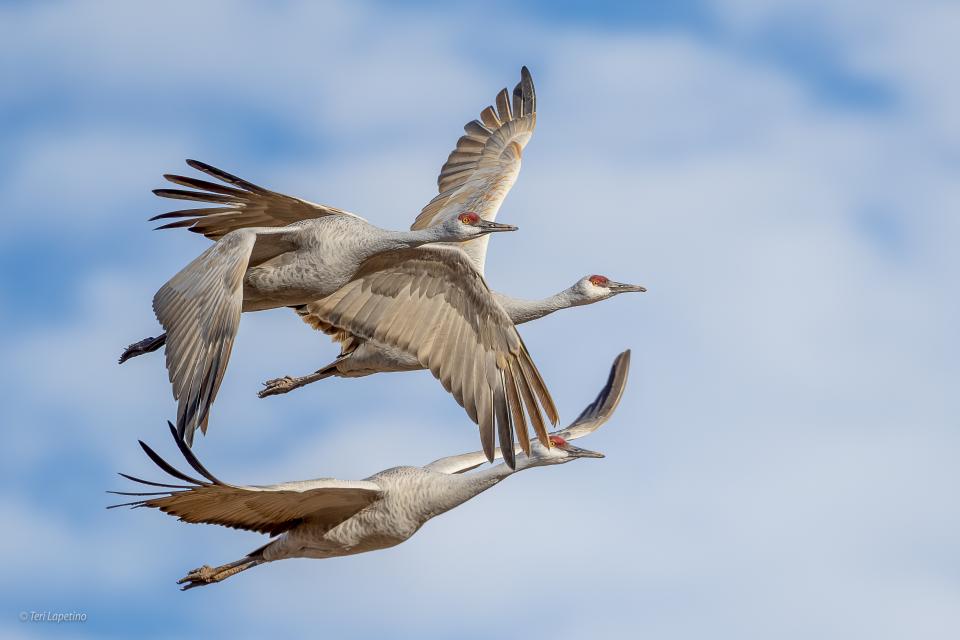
469, 217
600, 281
557, 441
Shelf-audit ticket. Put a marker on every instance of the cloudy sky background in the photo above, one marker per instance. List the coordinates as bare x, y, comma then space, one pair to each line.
782, 176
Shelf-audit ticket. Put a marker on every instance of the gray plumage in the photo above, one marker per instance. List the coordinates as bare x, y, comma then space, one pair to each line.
327, 518
359, 357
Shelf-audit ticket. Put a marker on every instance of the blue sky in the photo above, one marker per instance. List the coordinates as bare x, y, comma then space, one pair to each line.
781, 176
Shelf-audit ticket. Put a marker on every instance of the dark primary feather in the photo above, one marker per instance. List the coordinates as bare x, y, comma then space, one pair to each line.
518, 101
166, 466
611, 392
204, 185
268, 509
185, 213
190, 457
527, 91
155, 484
503, 106
247, 204
504, 423
200, 196
229, 178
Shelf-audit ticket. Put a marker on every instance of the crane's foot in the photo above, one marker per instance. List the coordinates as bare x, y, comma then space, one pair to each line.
198, 577
143, 346
288, 383
209, 575
279, 385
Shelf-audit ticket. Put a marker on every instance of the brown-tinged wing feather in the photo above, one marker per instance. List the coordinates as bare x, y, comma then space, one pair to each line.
242, 204
270, 509
432, 302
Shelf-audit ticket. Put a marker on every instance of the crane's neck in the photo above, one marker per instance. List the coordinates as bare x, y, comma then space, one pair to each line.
411, 239
521, 310
482, 480
455, 489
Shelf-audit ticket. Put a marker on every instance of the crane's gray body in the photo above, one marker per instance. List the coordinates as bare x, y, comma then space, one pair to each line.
411, 497
326, 254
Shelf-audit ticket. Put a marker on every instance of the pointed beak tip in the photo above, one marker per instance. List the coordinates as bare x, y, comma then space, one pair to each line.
622, 287
494, 227
587, 453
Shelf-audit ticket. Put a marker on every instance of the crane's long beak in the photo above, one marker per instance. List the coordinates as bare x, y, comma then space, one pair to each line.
491, 227
581, 453
622, 287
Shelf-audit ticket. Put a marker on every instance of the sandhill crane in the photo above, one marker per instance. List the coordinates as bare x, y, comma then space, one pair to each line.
326, 518
475, 178
427, 301
360, 358
265, 267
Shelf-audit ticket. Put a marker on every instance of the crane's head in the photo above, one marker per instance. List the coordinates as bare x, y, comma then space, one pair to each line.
560, 452
594, 288
469, 225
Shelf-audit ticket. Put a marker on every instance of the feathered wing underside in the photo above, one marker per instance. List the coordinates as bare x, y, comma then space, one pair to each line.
200, 310
348, 341
240, 204
484, 165
432, 303
591, 419
270, 509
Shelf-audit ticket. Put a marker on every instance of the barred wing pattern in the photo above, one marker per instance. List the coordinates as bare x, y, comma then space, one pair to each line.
485, 163
432, 302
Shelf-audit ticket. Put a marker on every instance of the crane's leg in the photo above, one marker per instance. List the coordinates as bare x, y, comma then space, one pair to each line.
208, 575
287, 383
144, 346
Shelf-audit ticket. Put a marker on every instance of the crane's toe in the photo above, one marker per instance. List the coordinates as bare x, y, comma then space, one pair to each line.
141, 347
277, 386
209, 575
199, 577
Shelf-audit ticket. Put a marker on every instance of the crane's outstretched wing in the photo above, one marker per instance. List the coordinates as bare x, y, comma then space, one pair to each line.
200, 310
591, 419
432, 302
242, 205
485, 163
270, 509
